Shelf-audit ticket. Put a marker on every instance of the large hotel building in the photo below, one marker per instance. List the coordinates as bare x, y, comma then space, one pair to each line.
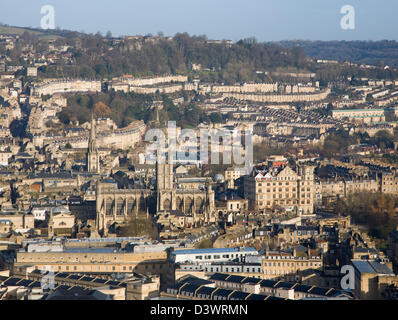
281, 186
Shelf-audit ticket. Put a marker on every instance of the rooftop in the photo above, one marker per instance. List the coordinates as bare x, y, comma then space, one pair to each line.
371, 267
213, 250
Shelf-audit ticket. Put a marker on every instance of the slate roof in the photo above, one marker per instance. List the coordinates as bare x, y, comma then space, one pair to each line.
235, 279
219, 277
251, 280
205, 291
239, 295
256, 297
222, 293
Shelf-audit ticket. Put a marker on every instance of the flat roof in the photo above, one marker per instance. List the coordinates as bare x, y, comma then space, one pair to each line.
357, 110
91, 250
213, 250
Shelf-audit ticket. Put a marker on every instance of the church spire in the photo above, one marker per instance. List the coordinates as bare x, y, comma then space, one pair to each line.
92, 155
92, 144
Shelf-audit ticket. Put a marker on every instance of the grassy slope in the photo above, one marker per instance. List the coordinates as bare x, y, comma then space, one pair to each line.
18, 31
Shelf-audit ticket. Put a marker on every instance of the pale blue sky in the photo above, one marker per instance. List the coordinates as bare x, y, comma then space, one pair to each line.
267, 20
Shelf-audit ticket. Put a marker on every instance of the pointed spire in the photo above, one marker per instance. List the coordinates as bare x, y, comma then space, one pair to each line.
92, 140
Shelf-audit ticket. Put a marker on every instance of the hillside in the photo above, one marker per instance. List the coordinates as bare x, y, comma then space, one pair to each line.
367, 52
41, 34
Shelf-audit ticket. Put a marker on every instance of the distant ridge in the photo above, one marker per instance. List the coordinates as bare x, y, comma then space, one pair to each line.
40, 33
383, 52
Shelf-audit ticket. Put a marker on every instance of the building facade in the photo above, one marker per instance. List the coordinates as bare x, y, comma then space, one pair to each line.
282, 187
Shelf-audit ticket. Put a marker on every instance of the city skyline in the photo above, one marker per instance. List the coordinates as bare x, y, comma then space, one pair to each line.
179, 163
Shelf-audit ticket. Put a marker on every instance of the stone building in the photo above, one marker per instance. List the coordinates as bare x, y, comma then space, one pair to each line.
117, 205
65, 86
98, 261
61, 222
279, 98
360, 115
281, 187
369, 278
281, 265
389, 183
197, 201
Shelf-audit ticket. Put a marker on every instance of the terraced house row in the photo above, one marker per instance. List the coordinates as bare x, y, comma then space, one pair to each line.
231, 287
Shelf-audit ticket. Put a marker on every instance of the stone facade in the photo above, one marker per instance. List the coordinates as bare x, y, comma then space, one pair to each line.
117, 205
285, 188
195, 201
66, 86
279, 98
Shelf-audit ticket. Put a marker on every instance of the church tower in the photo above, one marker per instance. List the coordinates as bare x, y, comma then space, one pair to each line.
92, 155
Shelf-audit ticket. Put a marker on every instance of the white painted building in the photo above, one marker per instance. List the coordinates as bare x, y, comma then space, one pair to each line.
39, 214
208, 256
